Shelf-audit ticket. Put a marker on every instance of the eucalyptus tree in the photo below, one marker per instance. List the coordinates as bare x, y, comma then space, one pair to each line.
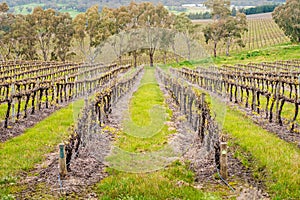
91, 29
225, 27
154, 19
287, 17
233, 29
24, 36
64, 32
188, 30
6, 43
44, 25
215, 33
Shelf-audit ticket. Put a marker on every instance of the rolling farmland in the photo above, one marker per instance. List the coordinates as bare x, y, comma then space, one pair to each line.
262, 32
177, 129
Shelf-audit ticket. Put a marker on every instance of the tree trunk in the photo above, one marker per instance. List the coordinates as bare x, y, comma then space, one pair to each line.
151, 55
45, 55
135, 59
215, 49
189, 49
227, 47
174, 50
120, 59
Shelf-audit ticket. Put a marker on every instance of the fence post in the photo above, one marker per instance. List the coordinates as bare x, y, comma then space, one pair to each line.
13, 112
223, 160
62, 161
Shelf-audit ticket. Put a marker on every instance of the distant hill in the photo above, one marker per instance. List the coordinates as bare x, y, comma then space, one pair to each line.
114, 3
75, 6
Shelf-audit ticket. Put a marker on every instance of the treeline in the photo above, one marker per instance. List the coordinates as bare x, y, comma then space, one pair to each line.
82, 6
259, 9
44, 34
234, 11
132, 30
198, 15
117, 3
51, 35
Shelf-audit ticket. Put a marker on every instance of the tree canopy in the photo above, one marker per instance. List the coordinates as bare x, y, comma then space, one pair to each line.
137, 28
225, 27
287, 17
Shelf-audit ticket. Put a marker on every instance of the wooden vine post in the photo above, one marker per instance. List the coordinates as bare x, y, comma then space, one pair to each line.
298, 85
38, 100
223, 160
85, 91
13, 113
62, 161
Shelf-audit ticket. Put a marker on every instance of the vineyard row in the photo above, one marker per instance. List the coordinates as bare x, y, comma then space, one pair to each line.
248, 88
46, 93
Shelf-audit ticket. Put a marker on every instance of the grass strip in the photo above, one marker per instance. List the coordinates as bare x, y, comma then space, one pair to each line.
147, 97
23, 152
278, 159
173, 182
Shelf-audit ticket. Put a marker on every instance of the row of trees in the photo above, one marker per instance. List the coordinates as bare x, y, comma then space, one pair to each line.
199, 15
132, 29
117, 3
45, 34
234, 11
259, 9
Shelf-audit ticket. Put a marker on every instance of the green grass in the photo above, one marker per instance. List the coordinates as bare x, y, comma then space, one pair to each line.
272, 160
279, 159
278, 52
145, 103
23, 152
288, 110
3, 109
22, 9
73, 13
174, 181
270, 54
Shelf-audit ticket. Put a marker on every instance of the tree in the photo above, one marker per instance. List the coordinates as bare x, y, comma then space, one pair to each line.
3, 7
214, 32
64, 32
234, 27
287, 17
44, 27
134, 47
134, 36
153, 19
6, 43
186, 27
167, 39
24, 36
225, 27
79, 24
220, 8
17, 36
92, 28
120, 20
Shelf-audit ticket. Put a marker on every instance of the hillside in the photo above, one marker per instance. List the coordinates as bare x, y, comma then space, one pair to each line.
81, 6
